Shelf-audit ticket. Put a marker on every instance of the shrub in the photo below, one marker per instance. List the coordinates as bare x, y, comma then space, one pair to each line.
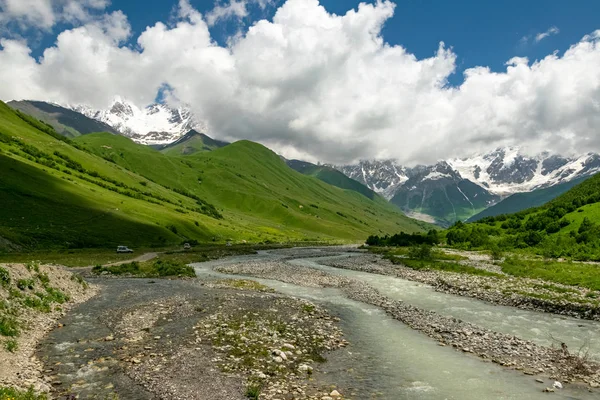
11, 345
422, 252
25, 284
4, 277
9, 326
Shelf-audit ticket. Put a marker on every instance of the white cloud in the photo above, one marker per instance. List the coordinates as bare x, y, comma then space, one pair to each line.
44, 14
321, 86
236, 9
551, 31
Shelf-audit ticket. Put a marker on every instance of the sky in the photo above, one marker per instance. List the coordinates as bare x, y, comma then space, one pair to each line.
331, 80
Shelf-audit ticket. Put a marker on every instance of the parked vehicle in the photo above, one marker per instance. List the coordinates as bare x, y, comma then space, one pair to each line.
124, 249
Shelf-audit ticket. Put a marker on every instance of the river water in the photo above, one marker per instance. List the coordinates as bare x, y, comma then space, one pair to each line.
542, 328
388, 360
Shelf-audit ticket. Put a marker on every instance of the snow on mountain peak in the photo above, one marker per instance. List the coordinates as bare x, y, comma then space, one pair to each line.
154, 124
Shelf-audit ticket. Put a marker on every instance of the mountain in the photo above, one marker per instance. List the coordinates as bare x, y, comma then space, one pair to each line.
458, 189
157, 124
65, 121
103, 190
190, 143
332, 176
383, 177
440, 193
522, 201
507, 171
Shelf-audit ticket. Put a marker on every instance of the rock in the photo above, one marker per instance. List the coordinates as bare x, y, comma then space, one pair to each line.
538, 380
288, 346
109, 338
335, 393
278, 359
548, 390
557, 385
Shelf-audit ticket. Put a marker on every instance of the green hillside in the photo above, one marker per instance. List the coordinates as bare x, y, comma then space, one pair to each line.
565, 227
66, 122
102, 190
331, 176
190, 143
254, 185
523, 201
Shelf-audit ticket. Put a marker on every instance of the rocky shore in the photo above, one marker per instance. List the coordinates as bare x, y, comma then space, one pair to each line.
33, 298
509, 351
523, 293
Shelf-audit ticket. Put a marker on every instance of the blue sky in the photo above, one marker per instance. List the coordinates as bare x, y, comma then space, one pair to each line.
481, 33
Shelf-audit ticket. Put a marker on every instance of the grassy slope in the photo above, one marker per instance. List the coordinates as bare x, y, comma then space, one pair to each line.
257, 191
192, 142
522, 201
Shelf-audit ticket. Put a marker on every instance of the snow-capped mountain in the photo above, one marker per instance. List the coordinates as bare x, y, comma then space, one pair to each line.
383, 177
153, 125
507, 171
459, 188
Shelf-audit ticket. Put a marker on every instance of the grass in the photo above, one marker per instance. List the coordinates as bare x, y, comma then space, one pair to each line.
157, 268
73, 257
11, 345
9, 326
9, 393
253, 391
404, 251
566, 273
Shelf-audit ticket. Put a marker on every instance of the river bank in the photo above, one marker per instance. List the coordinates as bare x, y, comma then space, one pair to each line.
530, 294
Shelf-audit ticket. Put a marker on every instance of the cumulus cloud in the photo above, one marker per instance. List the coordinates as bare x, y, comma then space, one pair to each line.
320, 86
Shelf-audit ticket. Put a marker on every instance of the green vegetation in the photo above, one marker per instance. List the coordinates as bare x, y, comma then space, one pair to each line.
11, 345
566, 227
253, 391
7, 393
441, 265
405, 239
103, 190
149, 269
192, 142
567, 273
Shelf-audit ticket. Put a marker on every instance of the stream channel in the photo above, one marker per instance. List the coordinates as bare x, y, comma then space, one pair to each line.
388, 360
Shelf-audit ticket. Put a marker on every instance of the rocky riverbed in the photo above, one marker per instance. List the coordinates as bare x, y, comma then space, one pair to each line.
523, 293
556, 363
171, 339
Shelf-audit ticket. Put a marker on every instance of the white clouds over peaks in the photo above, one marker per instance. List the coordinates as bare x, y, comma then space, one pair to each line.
321, 86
